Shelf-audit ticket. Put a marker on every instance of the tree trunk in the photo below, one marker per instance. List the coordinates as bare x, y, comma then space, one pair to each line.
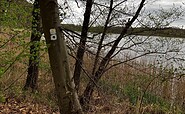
64, 84
85, 99
31, 81
81, 48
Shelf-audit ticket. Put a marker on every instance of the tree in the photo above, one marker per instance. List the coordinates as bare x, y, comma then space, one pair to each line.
98, 72
64, 84
32, 77
81, 48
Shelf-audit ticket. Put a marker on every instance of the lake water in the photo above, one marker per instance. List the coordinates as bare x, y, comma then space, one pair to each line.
162, 51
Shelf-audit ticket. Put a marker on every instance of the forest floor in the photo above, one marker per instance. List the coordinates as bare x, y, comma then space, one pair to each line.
25, 104
31, 103
15, 106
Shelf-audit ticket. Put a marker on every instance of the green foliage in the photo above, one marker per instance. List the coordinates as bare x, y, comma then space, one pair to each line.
1, 71
148, 98
2, 98
134, 93
14, 49
15, 14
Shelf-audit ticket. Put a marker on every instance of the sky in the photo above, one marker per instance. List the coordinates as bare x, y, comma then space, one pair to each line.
167, 4
78, 10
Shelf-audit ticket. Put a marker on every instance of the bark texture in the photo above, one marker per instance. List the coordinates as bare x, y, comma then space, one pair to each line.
103, 64
33, 72
81, 48
67, 97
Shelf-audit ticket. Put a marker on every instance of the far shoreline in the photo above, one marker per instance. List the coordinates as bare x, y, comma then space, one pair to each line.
163, 32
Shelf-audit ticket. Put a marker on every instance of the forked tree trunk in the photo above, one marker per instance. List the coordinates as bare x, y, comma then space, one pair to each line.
64, 84
31, 81
85, 99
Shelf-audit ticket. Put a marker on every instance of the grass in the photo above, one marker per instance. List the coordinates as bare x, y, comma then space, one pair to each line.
132, 94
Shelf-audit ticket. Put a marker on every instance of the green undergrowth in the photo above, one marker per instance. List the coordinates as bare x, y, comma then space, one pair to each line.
134, 94
2, 97
14, 11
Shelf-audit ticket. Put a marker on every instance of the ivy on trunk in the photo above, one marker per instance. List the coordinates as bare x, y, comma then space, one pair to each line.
33, 71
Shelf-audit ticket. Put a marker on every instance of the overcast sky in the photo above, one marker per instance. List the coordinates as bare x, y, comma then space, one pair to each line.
77, 15
167, 4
